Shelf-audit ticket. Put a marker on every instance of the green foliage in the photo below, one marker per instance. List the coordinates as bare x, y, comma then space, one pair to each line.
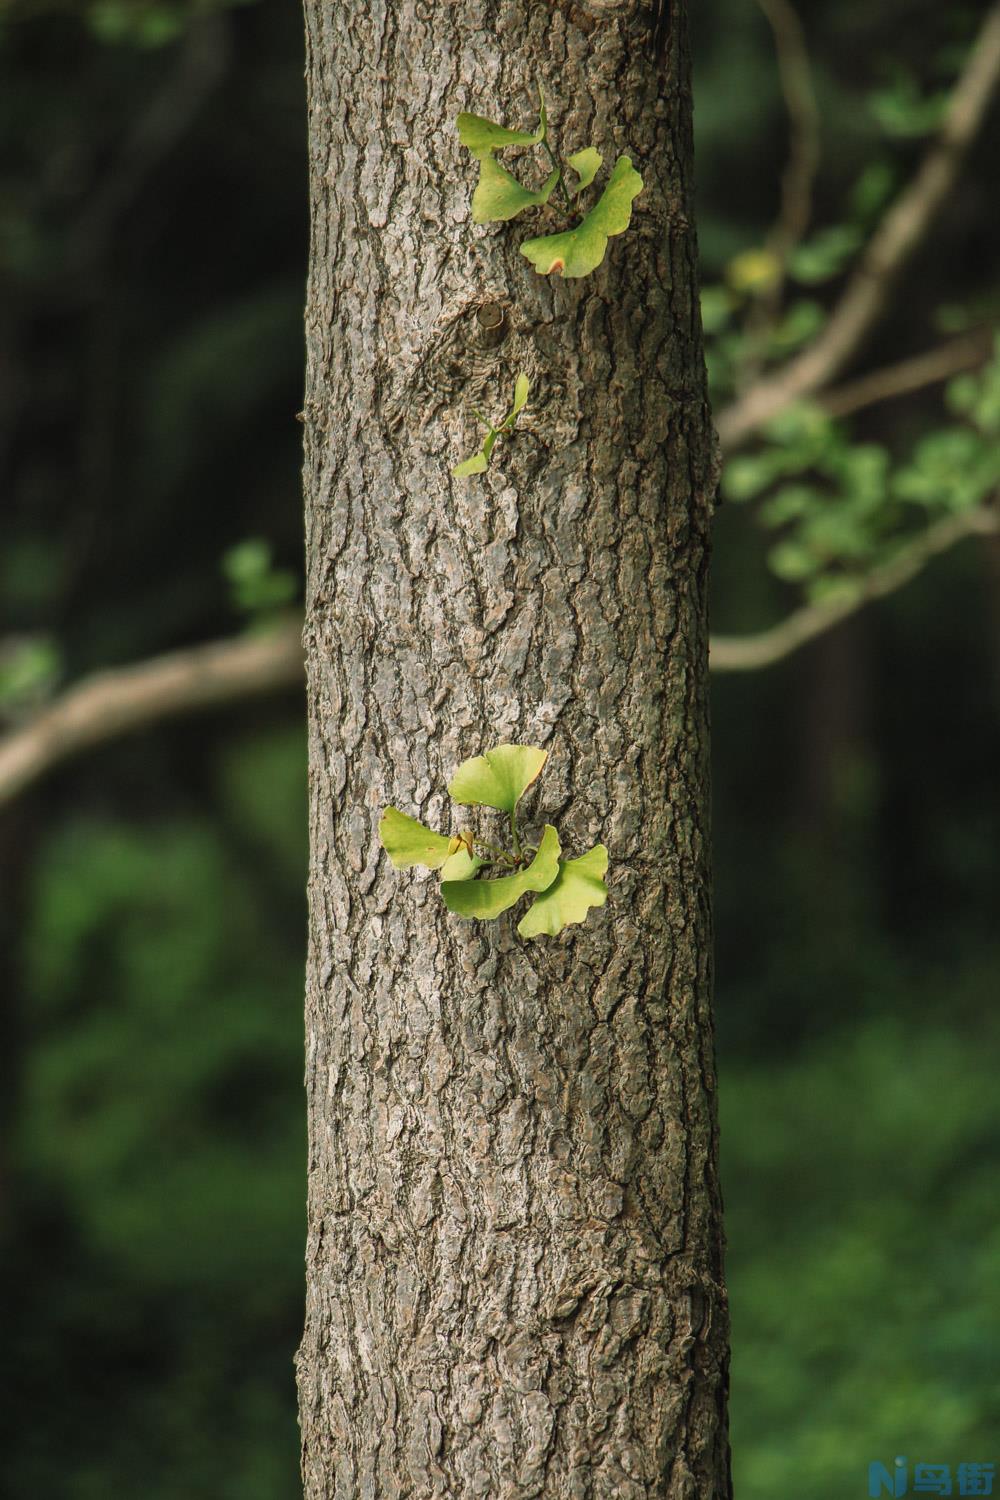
29, 670
499, 196
565, 889
148, 24
486, 899
257, 587
482, 137
479, 462
904, 110
157, 1152
862, 1222
843, 507
825, 254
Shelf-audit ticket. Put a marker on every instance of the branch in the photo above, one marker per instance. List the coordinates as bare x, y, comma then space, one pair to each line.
733, 653
900, 232
795, 74
112, 703
908, 375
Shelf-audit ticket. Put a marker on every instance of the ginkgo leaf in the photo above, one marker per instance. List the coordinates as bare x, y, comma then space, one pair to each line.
586, 164
578, 886
486, 899
480, 461
407, 842
521, 389
579, 251
499, 196
482, 136
499, 778
474, 465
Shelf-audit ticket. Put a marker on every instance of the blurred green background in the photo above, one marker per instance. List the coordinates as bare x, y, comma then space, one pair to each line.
153, 233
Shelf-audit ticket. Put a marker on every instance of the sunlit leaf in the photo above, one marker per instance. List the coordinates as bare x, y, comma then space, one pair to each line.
486, 899
586, 164
407, 842
499, 196
480, 461
474, 465
482, 136
578, 886
499, 778
579, 251
521, 388
753, 270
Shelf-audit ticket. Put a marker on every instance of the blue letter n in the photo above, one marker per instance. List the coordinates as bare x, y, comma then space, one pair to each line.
881, 1482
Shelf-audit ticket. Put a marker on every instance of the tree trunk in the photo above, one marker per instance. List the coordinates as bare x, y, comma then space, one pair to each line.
514, 1260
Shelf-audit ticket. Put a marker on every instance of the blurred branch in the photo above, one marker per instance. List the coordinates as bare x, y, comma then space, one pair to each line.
914, 374
795, 73
900, 232
733, 653
112, 703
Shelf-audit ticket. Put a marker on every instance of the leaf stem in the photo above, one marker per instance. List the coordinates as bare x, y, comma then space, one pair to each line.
513, 834
562, 180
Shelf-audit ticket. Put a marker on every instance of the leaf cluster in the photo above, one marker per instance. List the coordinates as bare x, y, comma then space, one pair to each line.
480, 880
843, 506
500, 196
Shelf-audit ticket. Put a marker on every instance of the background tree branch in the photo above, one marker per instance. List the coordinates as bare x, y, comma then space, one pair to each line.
730, 653
929, 368
903, 227
112, 703
795, 73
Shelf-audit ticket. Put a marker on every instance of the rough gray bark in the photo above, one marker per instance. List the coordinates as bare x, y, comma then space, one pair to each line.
514, 1260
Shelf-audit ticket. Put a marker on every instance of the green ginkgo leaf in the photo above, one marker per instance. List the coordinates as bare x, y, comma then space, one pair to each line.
486, 899
474, 465
586, 164
480, 461
521, 389
407, 842
482, 136
579, 251
499, 196
578, 886
499, 778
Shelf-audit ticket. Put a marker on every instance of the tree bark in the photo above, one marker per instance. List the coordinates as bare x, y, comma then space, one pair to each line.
515, 1252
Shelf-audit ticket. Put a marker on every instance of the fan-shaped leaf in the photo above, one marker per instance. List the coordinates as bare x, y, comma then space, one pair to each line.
482, 136
498, 778
578, 886
407, 842
485, 899
499, 196
586, 164
521, 388
579, 251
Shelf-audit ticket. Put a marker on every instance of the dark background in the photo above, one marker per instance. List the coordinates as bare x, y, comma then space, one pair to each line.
153, 233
